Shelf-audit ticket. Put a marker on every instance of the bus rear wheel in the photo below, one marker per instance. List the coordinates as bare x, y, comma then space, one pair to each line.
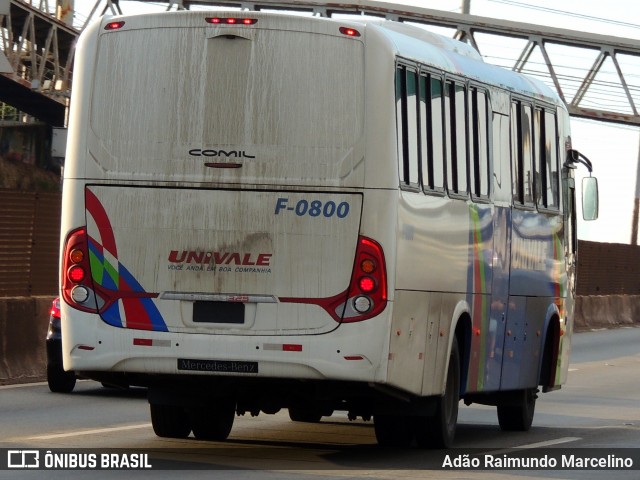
439, 430
518, 417
214, 422
170, 421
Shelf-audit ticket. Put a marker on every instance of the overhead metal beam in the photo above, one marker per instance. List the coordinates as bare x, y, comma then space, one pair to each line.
425, 15
37, 105
40, 48
469, 27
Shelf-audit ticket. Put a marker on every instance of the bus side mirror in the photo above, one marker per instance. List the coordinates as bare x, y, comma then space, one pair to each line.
590, 198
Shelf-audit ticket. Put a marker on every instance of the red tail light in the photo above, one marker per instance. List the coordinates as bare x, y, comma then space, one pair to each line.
366, 296
77, 286
76, 274
55, 308
368, 289
367, 284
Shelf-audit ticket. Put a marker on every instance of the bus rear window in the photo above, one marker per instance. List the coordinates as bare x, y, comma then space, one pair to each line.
280, 88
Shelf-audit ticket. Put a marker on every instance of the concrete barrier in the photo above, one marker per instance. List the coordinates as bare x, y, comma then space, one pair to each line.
23, 328
603, 311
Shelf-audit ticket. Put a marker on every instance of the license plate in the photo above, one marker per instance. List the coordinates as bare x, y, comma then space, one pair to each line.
218, 312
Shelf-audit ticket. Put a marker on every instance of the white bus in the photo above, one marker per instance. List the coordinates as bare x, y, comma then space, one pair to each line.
264, 211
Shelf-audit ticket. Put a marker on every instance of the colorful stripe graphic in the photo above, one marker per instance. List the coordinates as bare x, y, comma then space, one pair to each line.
558, 282
127, 305
478, 286
559, 292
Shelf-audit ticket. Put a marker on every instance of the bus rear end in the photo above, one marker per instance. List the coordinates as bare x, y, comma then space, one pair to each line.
212, 207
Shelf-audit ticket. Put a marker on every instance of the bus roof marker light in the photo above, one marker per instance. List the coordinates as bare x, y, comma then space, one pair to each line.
231, 20
114, 25
349, 32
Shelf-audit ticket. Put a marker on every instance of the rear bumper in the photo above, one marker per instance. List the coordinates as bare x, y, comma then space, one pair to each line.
355, 352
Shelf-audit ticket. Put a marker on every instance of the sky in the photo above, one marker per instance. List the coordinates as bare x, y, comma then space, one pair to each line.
613, 149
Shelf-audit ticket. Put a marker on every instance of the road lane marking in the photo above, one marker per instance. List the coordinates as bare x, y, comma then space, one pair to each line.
89, 432
21, 385
35, 384
548, 443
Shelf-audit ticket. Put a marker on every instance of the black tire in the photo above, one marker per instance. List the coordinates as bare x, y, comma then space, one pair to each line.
518, 418
439, 430
393, 431
170, 421
59, 380
214, 422
303, 415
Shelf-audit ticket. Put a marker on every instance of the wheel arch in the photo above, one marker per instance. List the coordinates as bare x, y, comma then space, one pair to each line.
461, 331
550, 348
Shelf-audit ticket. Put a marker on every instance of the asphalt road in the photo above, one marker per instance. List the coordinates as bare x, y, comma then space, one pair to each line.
598, 408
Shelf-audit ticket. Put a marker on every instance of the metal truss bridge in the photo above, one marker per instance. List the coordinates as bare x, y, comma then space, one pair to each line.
598, 76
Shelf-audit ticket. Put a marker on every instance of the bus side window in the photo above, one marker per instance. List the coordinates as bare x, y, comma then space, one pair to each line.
522, 153
412, 125
478, 143
528, 176
431, 133
407, 124
546, 160
551, 161
401, 127
456, 140
461, 139
449, 126
538, 157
